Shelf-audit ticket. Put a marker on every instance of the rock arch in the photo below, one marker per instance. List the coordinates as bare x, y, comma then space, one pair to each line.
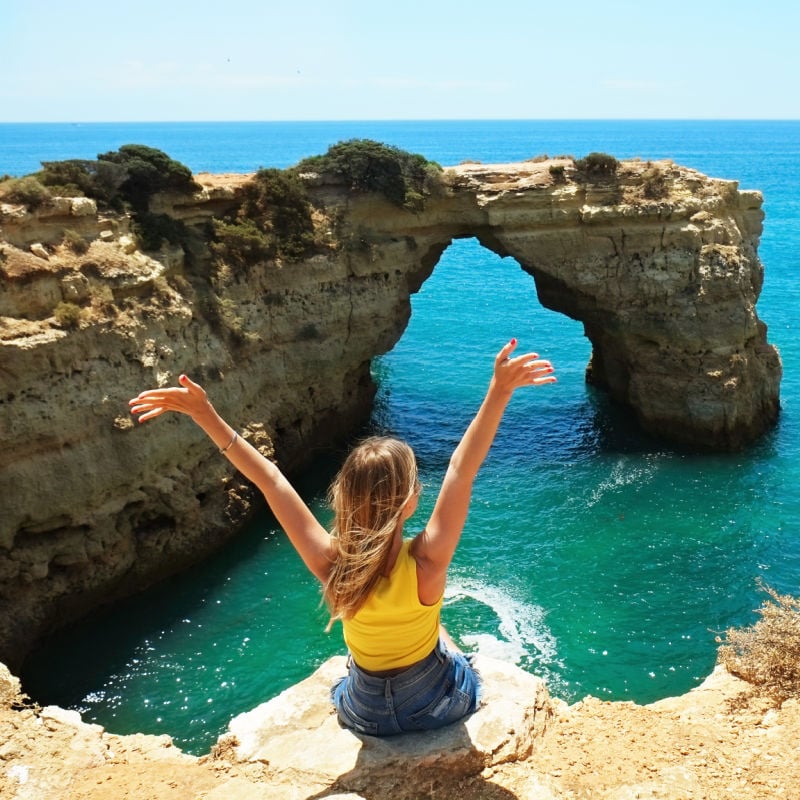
665, 288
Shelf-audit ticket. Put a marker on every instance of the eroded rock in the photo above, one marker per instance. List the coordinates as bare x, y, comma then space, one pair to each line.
666, 290
298, 735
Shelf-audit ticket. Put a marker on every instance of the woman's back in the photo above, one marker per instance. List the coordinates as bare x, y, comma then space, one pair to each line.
393, 629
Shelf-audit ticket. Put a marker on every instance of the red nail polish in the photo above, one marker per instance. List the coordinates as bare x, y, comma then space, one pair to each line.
514, 340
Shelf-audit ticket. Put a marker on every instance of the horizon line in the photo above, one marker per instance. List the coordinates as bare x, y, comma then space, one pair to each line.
391, 120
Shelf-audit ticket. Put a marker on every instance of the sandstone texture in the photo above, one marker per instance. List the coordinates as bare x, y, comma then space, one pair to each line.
94, 508
716, 742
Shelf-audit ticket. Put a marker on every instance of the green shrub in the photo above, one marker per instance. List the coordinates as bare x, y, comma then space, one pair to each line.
100, 180
75, 242
132, 174
27, 191
558, 173
67, 315
149, 171
153, 229
597, 165
369, 166
277, 202
654, 184
767, 654
241, 242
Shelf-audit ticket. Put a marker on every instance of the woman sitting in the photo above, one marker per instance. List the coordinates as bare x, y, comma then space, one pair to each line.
404, 671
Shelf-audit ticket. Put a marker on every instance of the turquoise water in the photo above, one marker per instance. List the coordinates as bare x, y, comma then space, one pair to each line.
594, 556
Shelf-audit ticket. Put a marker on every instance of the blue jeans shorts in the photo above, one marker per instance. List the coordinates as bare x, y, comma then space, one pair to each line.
442, 688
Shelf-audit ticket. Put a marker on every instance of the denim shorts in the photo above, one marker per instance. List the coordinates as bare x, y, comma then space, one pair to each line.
442, 688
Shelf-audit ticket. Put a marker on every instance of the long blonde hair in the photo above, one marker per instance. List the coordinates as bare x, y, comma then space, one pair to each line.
368, 498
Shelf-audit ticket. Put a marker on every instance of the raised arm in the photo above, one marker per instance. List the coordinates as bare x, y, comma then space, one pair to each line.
308, 536
433, 548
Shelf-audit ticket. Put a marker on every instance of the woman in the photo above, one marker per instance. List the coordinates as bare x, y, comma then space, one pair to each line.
404, 672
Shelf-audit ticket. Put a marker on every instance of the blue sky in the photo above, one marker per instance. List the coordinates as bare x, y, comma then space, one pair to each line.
86, 60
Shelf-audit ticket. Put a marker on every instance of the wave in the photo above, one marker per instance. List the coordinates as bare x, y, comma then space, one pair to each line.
521, 637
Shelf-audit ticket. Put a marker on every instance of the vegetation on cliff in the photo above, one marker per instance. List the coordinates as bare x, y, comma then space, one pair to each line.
597, 166
148, 171
767, 653
128, 176
124, 179
273, 219
27, 191
403, 178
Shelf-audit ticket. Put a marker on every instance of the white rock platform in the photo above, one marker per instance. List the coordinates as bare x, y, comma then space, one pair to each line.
299, 737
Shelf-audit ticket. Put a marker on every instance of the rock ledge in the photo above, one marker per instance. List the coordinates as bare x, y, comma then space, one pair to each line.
298, 735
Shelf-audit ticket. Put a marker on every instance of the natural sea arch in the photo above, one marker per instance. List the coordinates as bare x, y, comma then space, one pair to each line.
665, 290
472, 303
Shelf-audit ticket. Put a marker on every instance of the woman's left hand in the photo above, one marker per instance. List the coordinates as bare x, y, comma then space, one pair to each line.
523, 370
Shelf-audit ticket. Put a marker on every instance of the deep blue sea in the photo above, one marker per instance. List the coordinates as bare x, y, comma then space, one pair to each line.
594, 556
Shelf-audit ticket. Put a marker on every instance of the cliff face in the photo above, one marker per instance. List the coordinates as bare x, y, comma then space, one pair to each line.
666, 289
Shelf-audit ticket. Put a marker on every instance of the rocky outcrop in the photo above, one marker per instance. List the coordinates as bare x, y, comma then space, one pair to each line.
665, 283
717, 741
298, 735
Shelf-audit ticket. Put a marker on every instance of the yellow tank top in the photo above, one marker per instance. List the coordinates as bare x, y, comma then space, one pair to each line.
393, 629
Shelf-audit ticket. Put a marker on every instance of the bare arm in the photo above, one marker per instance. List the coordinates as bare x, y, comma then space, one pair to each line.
308, 536
433, 549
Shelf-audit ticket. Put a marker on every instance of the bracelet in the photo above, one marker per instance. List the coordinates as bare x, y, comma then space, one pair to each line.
225, 449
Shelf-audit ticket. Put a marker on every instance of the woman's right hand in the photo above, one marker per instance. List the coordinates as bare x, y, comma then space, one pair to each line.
305, 532
524, 370
189, 398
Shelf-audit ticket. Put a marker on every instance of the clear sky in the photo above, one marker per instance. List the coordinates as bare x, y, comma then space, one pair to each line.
86, 60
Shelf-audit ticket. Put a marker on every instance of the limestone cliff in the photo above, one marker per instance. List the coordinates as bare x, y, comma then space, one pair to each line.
665, 283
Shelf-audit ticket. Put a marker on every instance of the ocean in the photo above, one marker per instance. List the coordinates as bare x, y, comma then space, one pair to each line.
594, 556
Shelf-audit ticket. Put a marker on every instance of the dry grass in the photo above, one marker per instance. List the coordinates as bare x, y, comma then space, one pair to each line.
767, 654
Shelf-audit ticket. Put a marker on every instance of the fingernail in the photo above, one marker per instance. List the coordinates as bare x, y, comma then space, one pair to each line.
182, 378
514, 340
